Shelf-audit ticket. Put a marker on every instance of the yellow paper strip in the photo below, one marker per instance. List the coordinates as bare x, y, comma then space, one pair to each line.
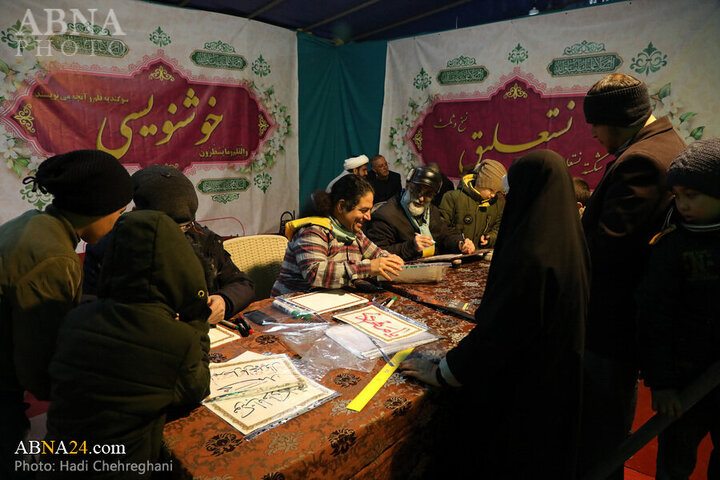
378, 381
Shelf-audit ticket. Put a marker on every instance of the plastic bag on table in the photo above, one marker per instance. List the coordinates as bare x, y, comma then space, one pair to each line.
298, 337
319, 353
326, 354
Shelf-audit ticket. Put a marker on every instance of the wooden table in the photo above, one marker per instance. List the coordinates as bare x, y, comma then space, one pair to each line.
330, 441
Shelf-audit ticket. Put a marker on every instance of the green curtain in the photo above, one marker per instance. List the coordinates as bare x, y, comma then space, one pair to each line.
340, 102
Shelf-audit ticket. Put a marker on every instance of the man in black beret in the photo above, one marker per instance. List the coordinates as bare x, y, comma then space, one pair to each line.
625, 210
41, 277
410, 226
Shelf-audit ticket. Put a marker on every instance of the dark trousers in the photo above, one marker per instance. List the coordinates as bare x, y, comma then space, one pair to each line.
609, 400
678, 444
14, 428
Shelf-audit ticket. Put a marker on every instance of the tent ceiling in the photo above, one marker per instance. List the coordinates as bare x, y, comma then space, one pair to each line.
343, 21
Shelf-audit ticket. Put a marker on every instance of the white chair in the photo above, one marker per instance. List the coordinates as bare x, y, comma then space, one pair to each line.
260, 257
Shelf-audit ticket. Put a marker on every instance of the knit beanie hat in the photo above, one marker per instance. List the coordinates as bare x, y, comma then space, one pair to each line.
622, 107
85, 182
165, 188
489, 175
698, 167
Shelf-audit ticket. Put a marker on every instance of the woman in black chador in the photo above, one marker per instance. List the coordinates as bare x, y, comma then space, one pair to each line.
518, 373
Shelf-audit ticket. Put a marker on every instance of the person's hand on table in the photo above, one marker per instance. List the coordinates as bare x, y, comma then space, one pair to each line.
217, 307
467, 246
666, 401
484, 239
422, 242
386, 266
422, 369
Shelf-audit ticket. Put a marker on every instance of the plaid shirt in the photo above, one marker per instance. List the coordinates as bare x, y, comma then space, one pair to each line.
316, 259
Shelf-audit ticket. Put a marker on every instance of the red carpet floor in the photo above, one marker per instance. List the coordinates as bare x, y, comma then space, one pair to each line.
642, 465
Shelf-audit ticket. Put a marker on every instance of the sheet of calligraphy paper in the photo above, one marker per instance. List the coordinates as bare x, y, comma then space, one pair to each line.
379, 323
221, 335
251, 377
327, 301
250, 413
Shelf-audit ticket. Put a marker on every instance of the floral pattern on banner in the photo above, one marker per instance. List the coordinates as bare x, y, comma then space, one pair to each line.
649, 60
263, 181
19, 64
518, 54
261, 67
160, 38
665, 103
422, 80
16, 153
275, 145
406, 158
18, 37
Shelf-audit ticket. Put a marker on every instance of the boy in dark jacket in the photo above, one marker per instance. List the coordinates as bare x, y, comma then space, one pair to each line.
40, 277
475, 209
165, 188
142, 347
679, 309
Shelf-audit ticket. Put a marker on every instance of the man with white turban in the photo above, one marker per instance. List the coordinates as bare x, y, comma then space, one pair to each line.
353, 165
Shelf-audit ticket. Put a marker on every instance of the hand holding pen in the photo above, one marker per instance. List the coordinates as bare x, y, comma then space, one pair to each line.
466, 245
422, 242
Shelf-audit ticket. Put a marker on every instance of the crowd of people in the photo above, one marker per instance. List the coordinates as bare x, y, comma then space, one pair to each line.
587, 292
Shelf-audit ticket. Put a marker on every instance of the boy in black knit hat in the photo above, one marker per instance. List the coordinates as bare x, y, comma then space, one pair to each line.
165, 188
40, 276
679, 308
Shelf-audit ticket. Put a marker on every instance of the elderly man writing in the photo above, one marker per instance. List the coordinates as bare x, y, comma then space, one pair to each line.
409, 226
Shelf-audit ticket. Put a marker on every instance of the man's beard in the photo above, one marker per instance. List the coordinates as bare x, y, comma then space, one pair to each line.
414, 210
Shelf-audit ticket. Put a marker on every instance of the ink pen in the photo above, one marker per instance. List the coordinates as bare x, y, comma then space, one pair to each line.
289, 308
242, 329
389, 304
384, 355
229, 325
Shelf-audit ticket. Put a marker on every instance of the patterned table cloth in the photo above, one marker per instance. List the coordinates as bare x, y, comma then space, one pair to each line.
459, 292
330, 441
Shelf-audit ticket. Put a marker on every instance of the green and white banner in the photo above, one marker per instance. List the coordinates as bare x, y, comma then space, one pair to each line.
500, 90
212, 95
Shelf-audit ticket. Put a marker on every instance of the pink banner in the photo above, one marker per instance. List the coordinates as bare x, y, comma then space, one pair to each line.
154, 116
514, 120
